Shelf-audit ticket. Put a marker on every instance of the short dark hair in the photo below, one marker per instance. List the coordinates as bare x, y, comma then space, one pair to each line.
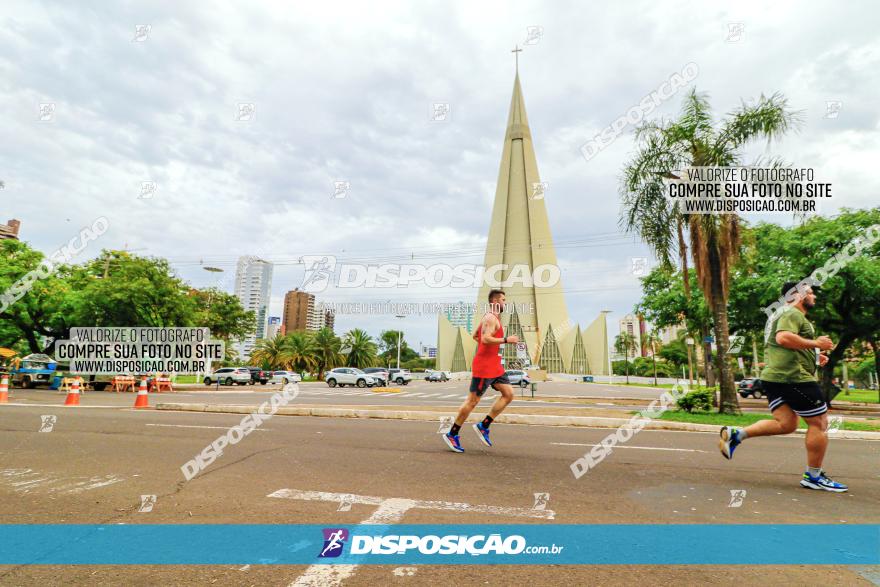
495, 293
787, 287
796, 285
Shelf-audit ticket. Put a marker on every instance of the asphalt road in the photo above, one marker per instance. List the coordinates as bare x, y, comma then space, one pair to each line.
96, 463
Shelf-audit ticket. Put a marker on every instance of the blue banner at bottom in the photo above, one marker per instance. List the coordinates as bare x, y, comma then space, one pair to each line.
452, 544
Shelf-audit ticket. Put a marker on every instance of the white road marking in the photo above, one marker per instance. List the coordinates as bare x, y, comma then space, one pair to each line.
96, 482
389, 511
211, 427
452, 395
625, 446
18, 480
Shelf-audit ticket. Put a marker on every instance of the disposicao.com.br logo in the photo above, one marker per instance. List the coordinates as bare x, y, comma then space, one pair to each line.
493, 544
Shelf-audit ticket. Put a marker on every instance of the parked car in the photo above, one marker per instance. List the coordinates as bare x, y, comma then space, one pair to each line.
437, 376
379, 373
400, 376
343, 376
517, 377
751, 387
258, 376
229, 375
285, 377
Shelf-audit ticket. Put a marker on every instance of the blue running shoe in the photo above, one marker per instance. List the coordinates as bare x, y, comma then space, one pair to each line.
453, 442
822, 482
483, 433
728, 442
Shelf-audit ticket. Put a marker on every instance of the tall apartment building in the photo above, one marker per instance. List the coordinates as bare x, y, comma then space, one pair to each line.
636, 326
10, 229
253, 287
302, 312
326, 316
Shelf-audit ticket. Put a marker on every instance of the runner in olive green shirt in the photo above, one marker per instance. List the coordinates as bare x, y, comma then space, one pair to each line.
792, 356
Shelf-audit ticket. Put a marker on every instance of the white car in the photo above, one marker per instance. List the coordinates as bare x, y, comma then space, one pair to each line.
285, 377
229, 375
343, 376
400, 376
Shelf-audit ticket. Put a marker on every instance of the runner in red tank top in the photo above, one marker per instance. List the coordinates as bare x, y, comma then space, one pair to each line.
487, 371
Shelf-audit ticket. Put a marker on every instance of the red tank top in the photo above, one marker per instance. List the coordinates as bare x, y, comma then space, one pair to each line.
487, 361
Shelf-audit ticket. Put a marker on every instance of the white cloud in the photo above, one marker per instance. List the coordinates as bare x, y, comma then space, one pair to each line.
343, 92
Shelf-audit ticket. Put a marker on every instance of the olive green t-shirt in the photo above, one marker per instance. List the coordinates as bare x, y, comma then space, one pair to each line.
786, 365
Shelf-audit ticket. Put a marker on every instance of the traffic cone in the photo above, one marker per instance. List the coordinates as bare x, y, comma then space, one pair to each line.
73, 394
4, 390
141, 400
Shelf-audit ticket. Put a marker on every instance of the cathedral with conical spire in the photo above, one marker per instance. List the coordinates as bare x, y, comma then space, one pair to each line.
520, 237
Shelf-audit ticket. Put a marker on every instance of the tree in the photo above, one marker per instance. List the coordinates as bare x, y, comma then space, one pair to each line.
301, 352
222, 313
327, 348
665, 303
693, 141
624, 343
652, 341
272, 353
40, 311
388, 347
360, 347
116, 289
847, 303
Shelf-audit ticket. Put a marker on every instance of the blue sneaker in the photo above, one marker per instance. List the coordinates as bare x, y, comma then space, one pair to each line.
483, 433
453, 442
823, 482
728, 442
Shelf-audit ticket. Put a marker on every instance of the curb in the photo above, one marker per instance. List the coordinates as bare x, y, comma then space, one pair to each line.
528, 419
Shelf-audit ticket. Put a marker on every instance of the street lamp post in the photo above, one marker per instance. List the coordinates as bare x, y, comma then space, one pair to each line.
399, 335
213, 270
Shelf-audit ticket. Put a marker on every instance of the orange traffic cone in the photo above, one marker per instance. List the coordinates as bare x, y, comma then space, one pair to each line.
73, 394
141, 400
4, 390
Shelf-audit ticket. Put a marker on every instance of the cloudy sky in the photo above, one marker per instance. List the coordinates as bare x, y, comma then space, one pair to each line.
344, 91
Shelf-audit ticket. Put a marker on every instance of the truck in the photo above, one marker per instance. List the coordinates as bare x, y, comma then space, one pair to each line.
33, 370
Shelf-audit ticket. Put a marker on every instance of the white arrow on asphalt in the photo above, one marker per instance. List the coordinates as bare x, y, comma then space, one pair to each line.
390, 510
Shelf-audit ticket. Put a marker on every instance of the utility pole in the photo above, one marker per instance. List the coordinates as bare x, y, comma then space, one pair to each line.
399, 335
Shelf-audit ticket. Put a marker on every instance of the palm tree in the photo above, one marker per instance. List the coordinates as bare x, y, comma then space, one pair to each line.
624, 343
272, 352
360, 347
327, 348
300, 352
693, 141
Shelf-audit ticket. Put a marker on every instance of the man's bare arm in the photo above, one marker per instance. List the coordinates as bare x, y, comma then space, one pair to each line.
792, 341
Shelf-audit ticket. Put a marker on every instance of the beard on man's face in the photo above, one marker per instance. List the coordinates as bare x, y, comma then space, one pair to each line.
809, 302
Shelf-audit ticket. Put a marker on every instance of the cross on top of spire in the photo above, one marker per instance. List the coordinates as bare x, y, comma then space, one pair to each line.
516, 51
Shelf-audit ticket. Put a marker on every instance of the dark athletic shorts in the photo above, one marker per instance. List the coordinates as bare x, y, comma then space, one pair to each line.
806, 399
479, 385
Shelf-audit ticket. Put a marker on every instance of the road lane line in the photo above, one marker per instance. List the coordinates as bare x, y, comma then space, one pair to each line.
624, 446
210, 427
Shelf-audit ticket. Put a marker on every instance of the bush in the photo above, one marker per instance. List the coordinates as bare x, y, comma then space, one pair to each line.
699, 400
